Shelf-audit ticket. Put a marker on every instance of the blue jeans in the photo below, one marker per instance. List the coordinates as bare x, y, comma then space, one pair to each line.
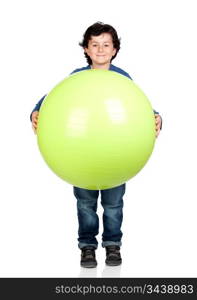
112, 202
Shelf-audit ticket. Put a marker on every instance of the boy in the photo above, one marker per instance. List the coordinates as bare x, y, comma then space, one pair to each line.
101, 45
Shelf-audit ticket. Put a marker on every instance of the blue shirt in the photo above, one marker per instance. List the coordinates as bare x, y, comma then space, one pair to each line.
88, 67
111, 68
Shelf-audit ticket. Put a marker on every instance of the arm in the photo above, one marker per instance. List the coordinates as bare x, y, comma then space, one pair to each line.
34, 114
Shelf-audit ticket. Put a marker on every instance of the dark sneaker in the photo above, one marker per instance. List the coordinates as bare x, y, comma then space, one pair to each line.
113, 257
88, 259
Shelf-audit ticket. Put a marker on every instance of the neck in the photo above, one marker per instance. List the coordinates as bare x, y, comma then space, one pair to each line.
103, 67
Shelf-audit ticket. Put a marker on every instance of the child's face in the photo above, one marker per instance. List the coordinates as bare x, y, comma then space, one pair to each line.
101, 49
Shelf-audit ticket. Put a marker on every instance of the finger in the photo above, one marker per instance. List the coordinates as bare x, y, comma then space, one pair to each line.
34, 129
35, 115
157, 132
158, 123
157, 118
34, 124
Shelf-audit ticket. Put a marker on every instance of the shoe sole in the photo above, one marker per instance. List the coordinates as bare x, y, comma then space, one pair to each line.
113, 264
92, 265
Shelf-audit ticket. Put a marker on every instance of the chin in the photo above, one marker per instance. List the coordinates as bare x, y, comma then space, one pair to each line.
102, 61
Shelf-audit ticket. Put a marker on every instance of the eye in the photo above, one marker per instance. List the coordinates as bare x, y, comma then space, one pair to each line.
106, 45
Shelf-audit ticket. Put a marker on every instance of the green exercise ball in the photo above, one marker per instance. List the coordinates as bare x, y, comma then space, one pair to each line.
96, 129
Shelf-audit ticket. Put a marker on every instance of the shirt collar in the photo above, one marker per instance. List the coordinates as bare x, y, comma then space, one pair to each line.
110, 67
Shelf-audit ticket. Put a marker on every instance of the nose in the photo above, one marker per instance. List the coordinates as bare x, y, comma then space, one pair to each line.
100, 49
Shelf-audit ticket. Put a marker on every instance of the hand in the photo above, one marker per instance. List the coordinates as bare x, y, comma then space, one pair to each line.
35, 120
157, 124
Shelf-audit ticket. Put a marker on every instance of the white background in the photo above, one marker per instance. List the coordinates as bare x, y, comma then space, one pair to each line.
38, 218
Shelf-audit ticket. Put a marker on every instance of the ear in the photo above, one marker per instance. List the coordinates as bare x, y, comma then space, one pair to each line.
114, 51
86, 50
